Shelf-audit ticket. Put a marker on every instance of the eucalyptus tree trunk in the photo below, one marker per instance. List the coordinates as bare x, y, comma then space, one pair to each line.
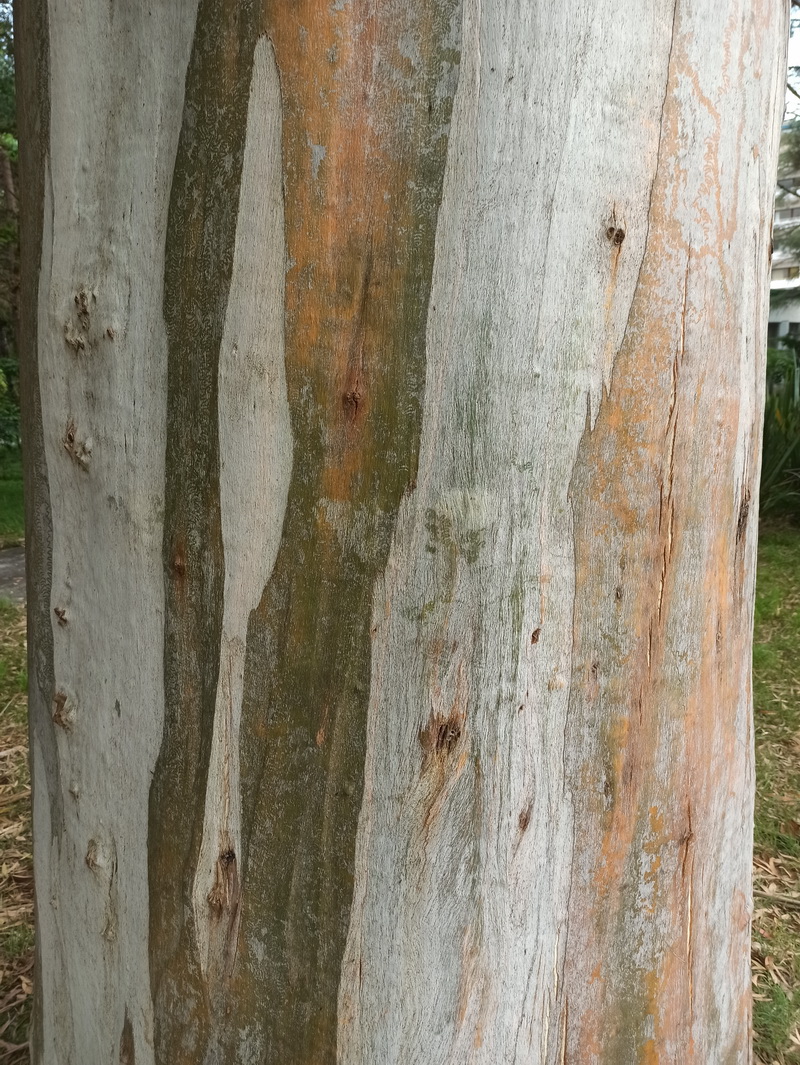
393, 384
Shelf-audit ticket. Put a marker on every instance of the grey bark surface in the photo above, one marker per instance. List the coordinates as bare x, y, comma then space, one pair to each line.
392, 386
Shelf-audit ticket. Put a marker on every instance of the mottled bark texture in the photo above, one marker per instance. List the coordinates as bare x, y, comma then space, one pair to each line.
393, 376
363, 176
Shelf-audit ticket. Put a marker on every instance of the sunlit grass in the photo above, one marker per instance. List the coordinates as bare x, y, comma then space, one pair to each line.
776, 689
16, 868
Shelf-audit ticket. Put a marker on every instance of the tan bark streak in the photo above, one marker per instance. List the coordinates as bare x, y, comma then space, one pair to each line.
690, 719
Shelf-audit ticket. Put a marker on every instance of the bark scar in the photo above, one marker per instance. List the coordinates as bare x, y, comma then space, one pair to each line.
440, 736
744, 513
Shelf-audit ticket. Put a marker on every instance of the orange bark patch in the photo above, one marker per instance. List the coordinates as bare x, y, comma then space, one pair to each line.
663, 767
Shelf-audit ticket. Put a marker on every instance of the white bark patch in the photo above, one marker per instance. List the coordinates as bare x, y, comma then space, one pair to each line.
115, 119
465, 838
255, 469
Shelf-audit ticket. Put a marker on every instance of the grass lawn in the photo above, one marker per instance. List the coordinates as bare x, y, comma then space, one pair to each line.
776, 868
776, 925
16, 870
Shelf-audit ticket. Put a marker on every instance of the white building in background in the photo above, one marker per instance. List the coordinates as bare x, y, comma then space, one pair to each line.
784, 314
784, 288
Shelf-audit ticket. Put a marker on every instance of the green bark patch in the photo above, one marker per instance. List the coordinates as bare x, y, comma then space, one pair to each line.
364, 149
198, 261
357, 305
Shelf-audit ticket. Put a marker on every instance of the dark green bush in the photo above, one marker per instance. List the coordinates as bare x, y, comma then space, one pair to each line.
780, 463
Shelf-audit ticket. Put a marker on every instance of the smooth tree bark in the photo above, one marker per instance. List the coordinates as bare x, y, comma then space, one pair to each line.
393, 378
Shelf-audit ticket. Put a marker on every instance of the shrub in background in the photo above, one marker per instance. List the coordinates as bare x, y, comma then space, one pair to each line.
780, 463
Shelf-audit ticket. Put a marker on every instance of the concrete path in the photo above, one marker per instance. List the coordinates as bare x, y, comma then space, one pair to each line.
12, 574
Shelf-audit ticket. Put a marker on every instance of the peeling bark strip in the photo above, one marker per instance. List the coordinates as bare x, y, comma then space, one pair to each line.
659, 734
268, 872
255, 467
199, 257
553, 851
363, 186
94, 358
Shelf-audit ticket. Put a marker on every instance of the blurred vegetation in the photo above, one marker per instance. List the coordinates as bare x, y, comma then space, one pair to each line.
787, 237
780, 463
11, 520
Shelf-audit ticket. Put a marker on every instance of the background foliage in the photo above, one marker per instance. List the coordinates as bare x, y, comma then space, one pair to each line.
9, 252
780, 463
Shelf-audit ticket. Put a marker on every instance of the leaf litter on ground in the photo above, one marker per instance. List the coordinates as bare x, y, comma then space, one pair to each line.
16, 862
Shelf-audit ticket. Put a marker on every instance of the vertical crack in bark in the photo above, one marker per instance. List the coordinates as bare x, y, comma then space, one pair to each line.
656, 712
687, 870
564, 1029
127, 1048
